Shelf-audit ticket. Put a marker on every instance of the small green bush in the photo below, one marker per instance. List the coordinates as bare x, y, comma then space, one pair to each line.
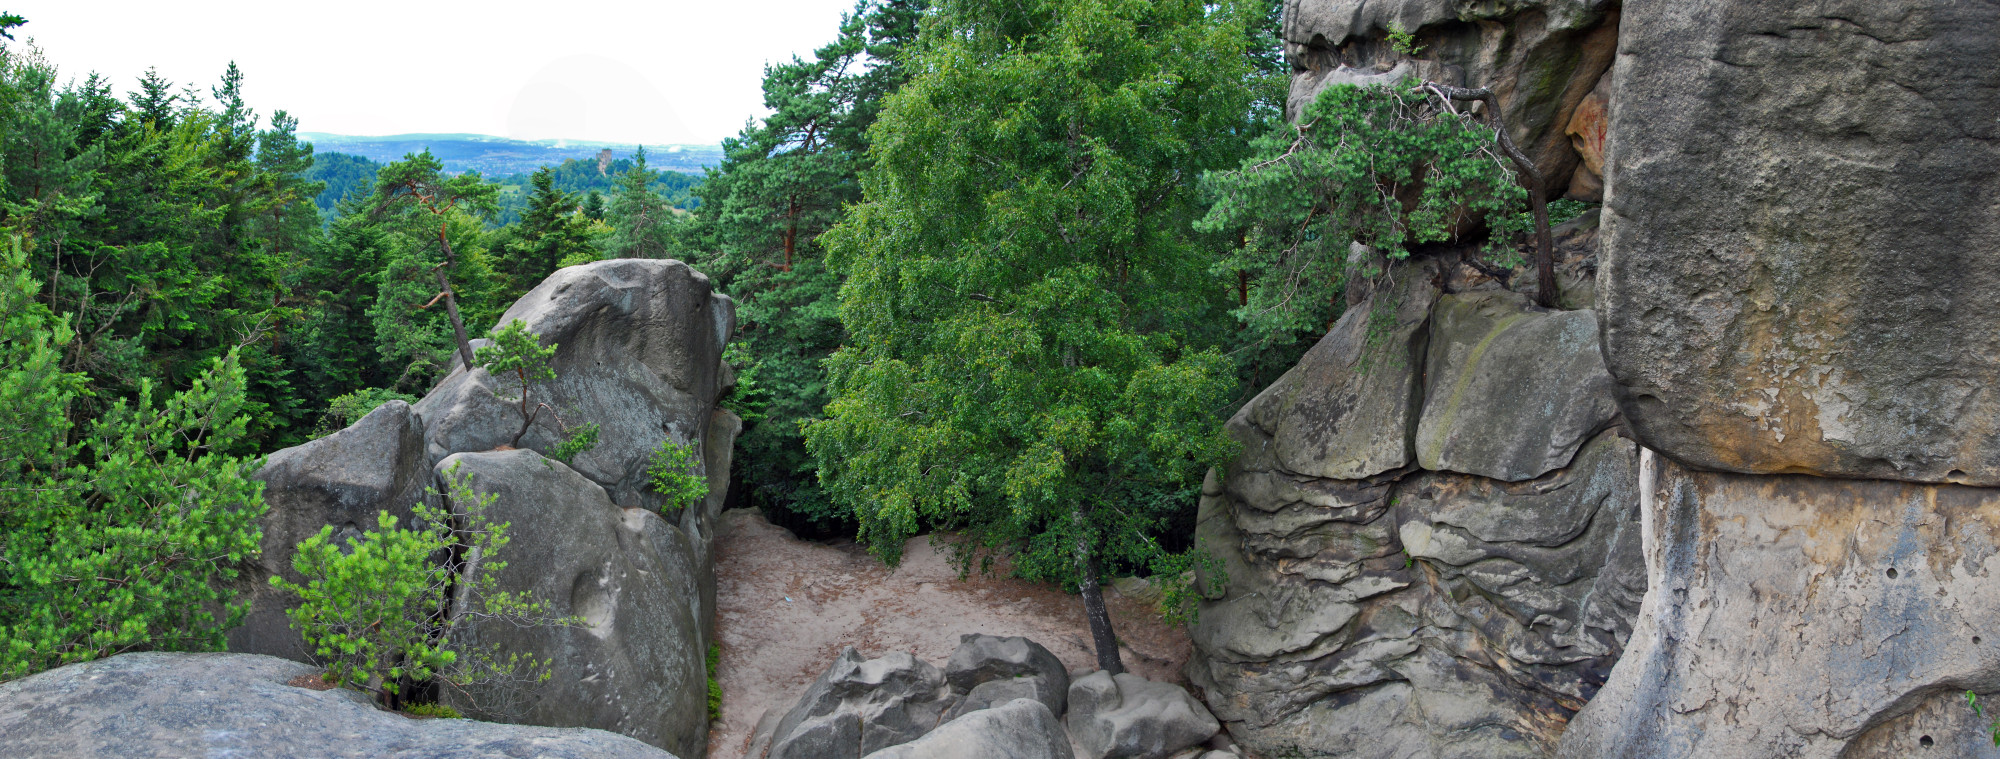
439, 711
714, 685
675, 472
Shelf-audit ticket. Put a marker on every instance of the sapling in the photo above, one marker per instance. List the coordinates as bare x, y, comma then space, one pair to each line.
518, 353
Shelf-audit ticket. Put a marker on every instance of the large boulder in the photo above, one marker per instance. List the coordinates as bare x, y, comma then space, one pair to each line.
860, 706
639, 346
1510, 392
343, 480
168, 706
1804, 617
1542, 58
1126, 715
1347, 409
1801, 246
1022, 728
635, 665
981, 659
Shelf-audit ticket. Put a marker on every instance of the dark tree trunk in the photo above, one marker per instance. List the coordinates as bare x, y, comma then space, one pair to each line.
451, 304
1101, 636
1545, 267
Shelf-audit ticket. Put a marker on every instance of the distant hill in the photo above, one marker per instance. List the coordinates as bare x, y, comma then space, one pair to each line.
499, 156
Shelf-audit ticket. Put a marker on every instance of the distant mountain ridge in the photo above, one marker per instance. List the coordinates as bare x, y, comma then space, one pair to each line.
501, 156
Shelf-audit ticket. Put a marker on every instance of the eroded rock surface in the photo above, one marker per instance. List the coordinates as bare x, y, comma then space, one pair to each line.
1803, 617
860, 706
1007, 662
1018, 729
168, 706
1801, 245
1119, 716
1463, 604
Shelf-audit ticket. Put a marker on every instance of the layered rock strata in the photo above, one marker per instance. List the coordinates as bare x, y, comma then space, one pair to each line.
1430, 545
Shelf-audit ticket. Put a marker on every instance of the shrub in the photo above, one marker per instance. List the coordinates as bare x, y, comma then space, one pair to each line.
675, 473
375, 611
714, 685
439, 711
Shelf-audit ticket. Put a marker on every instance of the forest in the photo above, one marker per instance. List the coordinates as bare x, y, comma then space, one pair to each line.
1000, 268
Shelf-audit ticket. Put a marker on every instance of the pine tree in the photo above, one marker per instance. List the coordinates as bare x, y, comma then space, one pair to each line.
550, 230
642, 221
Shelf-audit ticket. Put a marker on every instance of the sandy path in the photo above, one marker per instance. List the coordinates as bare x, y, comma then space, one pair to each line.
840, 596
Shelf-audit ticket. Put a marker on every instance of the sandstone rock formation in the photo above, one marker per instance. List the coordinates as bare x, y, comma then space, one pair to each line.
626, 572
640, 354
1464, 601
1120, 716
166, 706
860, 706
1019, 729
1543, 59
1801, 247
1007, 664
342, 480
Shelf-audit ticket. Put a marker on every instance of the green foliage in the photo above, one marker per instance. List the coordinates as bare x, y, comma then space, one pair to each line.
380, 615
348, 409
517, 354
1402, 41
127, 538
1381, 166
1031, 356
551, 231
439, 711
346, 177
714, 685
675, 473
1972, 699
642, 221
581, 439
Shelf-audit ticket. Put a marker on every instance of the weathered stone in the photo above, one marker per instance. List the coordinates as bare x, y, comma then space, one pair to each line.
1541, 57
639, 354
1511, 392
1347, 409
1019, 729
636, 665
860, 706
1129, 716
343, 480
1587, 128
981, 658
1801, 247
163, 705
1803, 617
992, 693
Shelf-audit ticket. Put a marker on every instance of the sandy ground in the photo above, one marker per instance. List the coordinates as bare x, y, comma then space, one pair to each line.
786, 608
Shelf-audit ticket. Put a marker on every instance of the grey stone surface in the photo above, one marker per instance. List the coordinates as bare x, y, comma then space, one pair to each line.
1129, 716
860, 706
1511, 392
636, 665
991, 693
1802, 617
168, 706
1347, 409
1801, 247
343, 480
1541, 57
639, 353
1017, 729
982, 658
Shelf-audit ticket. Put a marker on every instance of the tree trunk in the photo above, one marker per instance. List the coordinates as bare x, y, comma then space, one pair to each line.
1545, 267
451, 303
1101, 636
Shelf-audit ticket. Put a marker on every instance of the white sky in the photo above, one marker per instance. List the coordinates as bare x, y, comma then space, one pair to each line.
651, 71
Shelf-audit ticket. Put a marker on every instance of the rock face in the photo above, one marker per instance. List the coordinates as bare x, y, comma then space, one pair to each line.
344, 480
1543, 59
1130, 716
626, 572
1801, 243
1019, 729
860, 706
148, 705
640, 347
1805, 617
1464, 601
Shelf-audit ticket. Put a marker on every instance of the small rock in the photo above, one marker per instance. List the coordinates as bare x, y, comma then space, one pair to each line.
984, 658
1130, 716
860, 706
1019, 729
993, 693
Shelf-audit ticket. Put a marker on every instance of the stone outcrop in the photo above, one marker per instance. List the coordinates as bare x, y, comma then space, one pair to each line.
1005, 665
1114, 717
640, 354
162, 705
628, 574
860, 706
1801, 247
1018, 729
1542, 58
1803, 617
1463, 600
343, 481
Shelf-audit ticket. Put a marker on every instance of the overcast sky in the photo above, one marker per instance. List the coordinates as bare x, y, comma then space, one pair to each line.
652, 72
